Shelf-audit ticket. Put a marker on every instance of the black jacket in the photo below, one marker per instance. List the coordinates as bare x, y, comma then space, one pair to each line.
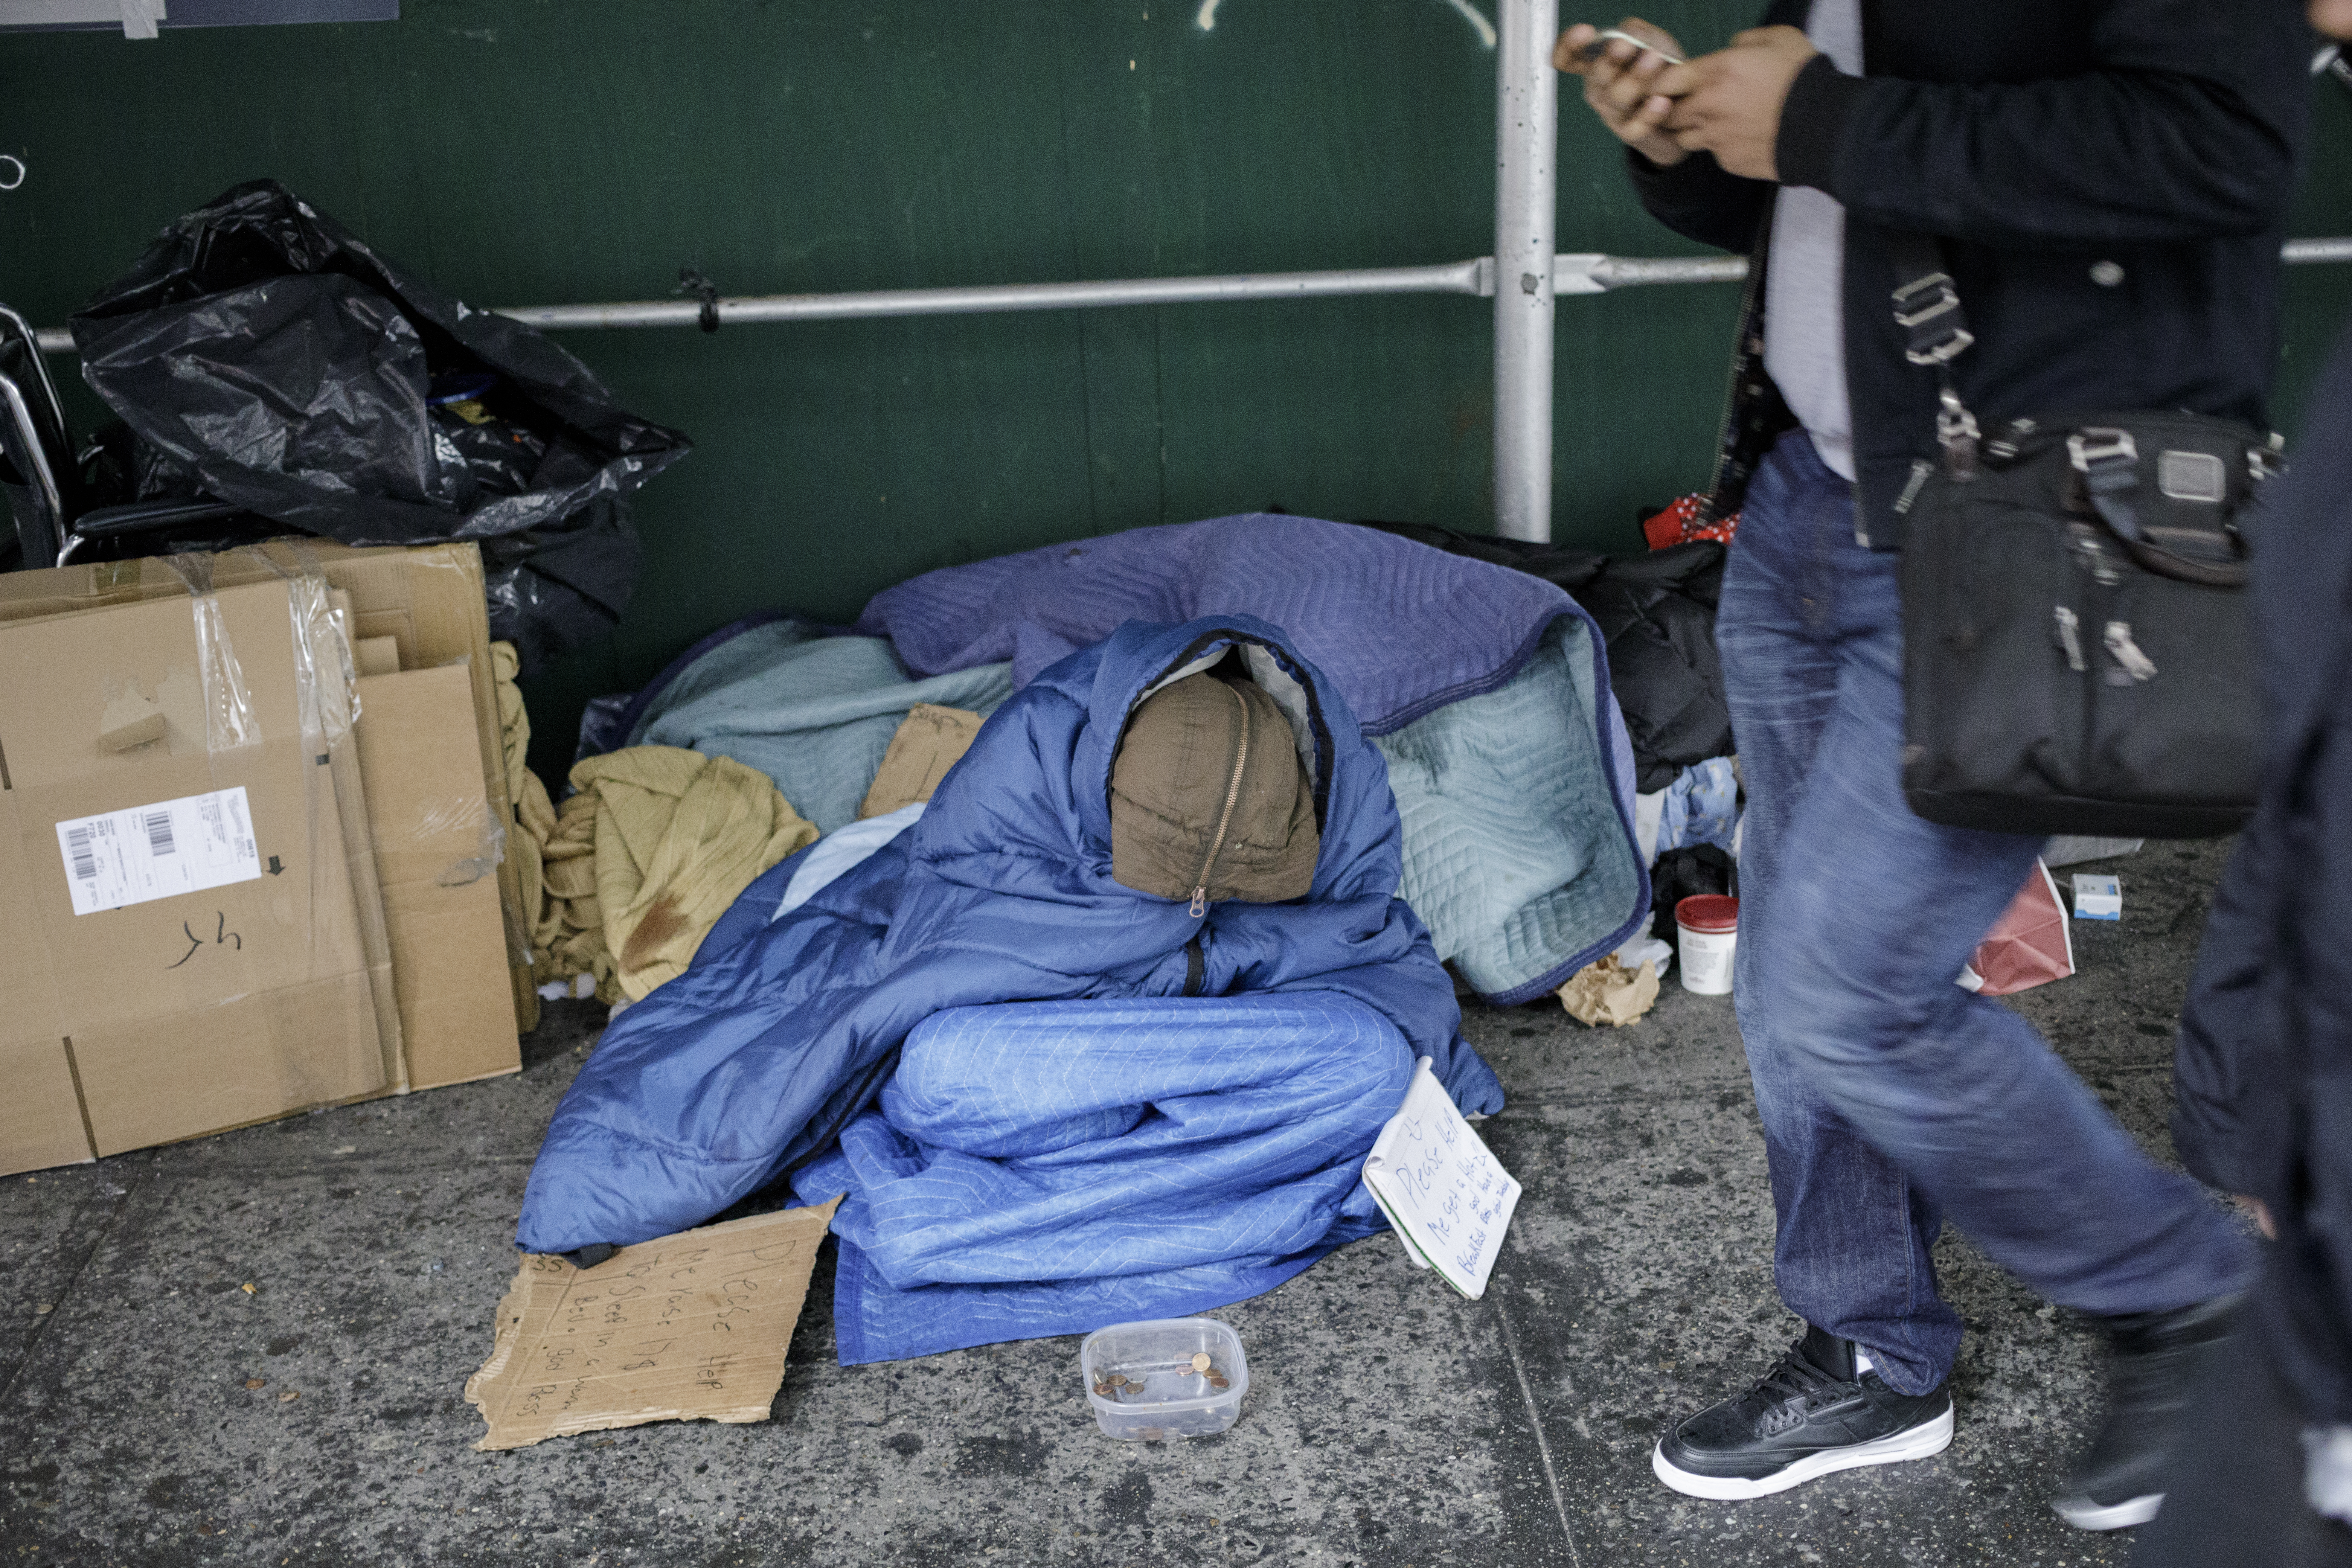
2040, 139
2262, 1072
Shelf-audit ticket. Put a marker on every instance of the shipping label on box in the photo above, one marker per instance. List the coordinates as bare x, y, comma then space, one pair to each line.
191, 844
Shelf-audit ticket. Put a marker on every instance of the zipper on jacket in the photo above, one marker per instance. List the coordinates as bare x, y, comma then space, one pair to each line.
1196, 967
2070, 625
1920, 468
1225, 817
2136, 663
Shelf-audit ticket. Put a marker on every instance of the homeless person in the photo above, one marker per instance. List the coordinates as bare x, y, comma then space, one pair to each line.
1105, 1034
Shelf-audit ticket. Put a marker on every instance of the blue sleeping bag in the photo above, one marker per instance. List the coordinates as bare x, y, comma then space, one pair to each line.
780, 1033
1048, 1167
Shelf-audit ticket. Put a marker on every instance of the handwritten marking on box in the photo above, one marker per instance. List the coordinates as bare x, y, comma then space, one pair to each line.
691, 1327
1449, 1199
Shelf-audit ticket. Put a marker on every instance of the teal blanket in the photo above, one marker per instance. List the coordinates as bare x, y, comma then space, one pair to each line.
1514, 854
814, 712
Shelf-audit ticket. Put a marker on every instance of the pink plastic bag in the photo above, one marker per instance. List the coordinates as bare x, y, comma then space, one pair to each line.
2030, 945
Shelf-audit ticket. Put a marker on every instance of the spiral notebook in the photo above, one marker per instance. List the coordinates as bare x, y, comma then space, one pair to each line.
1449, 1199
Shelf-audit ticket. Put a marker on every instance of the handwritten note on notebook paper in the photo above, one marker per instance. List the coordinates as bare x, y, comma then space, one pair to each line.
1448, 1198
684, 1328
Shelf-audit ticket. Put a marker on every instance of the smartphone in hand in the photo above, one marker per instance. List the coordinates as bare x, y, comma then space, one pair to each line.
1592, 51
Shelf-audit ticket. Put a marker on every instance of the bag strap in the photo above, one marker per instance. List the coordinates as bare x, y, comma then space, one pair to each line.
2108, 460
1936, 328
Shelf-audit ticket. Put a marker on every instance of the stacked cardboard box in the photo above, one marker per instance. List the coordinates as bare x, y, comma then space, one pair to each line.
221, 899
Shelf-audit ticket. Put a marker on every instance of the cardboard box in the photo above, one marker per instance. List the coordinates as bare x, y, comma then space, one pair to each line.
183, 945
436, 848
427, 600
397, 845
2098, 897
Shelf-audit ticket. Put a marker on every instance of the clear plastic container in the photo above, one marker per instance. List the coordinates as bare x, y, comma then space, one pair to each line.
1164, 1396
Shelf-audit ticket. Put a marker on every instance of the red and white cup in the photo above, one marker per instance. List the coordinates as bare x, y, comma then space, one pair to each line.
1709, 927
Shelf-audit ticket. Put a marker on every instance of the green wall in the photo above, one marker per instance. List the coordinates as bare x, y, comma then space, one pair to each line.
528, 152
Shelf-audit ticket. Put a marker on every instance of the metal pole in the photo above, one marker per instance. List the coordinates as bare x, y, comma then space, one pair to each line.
2309, 250
1449, 278
1475, 276
1526, 116
1585, 272
1580, 272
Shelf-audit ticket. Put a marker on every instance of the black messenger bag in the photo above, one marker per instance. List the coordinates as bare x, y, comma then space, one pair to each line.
2078, 655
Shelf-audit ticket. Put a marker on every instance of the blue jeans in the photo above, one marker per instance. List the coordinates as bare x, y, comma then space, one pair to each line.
1890, 1097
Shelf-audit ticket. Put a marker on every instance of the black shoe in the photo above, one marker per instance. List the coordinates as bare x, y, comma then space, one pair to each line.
2150, 1364
1810, 1415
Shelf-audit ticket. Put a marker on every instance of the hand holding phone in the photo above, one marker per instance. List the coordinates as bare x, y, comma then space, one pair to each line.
1619, 84
1607, 36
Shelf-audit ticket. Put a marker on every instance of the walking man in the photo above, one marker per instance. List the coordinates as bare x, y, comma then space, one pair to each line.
2110, 183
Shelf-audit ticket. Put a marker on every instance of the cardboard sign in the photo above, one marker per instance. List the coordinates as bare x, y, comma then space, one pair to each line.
691, 1327
1448, 1198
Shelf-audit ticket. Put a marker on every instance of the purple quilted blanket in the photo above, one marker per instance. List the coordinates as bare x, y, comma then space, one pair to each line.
1401, 628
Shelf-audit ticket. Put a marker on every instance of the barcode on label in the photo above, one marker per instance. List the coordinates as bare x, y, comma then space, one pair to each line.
159, 849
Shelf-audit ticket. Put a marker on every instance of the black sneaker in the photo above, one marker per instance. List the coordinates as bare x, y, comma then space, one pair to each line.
1810, 1415
2151, 1362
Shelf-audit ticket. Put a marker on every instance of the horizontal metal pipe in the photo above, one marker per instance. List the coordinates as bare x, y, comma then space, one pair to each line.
1471, 276
1475, 275
2339, 250
1590, 273
1584, 273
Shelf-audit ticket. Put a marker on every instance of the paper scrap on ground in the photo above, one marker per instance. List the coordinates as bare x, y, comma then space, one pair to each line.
691, 1327
2030, 945
1449, 1199
1606, 991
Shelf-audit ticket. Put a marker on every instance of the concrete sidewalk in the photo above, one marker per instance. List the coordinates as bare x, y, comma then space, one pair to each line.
1388, 1422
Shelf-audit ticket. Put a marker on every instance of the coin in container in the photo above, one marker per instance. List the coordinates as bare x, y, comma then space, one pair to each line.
1200, 1360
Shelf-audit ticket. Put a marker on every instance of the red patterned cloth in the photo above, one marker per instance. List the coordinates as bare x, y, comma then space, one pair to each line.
1687, 519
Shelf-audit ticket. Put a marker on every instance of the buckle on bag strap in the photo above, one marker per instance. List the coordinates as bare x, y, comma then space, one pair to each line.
2108, 460
2101, 449
1928, 309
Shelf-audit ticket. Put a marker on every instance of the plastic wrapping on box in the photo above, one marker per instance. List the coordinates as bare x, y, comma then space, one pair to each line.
229, 722
265, 350
327, 699
491, 849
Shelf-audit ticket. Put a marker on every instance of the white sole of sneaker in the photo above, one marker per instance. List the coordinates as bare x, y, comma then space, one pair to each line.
2084, 1514
1919, 1443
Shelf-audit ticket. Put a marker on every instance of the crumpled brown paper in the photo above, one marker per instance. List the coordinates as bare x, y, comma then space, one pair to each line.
1606, 991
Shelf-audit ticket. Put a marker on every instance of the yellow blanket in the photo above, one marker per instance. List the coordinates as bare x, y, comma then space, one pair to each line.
679, 836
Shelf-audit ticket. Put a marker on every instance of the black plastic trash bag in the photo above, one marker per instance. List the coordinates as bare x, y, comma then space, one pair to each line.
265, 355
